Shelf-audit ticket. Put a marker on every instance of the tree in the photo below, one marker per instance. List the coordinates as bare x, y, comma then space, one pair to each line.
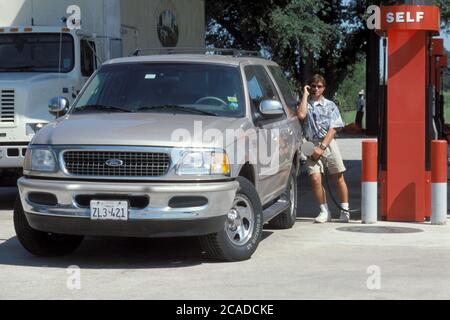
349, 88
444, 5
303, 36
298, 34
303, 33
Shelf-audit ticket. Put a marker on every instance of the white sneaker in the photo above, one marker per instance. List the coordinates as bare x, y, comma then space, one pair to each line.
323, 217
345, 217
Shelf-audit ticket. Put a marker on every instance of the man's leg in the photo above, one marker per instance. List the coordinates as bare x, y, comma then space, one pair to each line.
341, 186
317, 188
319, 194
342, 191
358, 119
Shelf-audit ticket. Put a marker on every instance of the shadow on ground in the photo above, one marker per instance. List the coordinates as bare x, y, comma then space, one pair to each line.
307, 206
115, 253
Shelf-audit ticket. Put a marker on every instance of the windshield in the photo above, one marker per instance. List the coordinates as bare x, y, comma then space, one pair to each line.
36, 52
165, 87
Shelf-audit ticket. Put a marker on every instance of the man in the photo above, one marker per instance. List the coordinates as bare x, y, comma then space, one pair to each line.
321, 120
360, 105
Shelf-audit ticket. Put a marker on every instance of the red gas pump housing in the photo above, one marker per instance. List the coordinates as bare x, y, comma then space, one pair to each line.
405, 183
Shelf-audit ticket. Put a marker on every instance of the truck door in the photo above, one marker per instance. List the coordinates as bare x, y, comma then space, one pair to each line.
272, 132
88, 59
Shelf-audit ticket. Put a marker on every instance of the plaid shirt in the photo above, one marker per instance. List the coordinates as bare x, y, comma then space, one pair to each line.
321, 116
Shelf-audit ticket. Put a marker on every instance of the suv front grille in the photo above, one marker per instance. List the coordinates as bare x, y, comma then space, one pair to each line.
135, 164
7, 102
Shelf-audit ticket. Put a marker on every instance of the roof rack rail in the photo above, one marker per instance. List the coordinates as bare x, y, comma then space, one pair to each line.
207, 51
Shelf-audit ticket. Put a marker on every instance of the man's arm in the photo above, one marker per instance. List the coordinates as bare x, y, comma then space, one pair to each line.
330, 136
303, 108
326, 141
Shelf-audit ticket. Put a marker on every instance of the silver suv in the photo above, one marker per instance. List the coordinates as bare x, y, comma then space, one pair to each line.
165, 146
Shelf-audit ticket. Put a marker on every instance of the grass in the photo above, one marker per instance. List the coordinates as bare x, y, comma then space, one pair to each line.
348, 116
447, 106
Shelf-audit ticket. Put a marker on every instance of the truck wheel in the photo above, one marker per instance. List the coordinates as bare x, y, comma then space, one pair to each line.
40, 243
243, 228
287, 218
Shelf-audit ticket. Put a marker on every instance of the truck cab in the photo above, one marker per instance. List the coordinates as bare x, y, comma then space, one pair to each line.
36, 64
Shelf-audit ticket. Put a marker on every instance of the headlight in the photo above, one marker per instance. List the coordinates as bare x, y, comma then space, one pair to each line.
39, 160
204, 163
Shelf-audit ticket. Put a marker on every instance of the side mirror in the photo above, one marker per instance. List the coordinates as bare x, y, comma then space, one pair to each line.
58, 106
271, 108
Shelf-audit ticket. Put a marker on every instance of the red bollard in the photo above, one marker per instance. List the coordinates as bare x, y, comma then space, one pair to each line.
369, 184
439, 182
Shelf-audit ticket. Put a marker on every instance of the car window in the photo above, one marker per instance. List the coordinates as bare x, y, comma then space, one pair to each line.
87, 57
214, 89
286, 88
37, 52
260, 88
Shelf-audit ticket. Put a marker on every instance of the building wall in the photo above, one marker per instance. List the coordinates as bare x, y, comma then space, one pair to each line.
140, 22
135, 21
50, 12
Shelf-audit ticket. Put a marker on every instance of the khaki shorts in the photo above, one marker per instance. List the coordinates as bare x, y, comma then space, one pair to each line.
331, 158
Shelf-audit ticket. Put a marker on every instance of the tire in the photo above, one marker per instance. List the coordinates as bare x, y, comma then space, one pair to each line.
237, 245
287, 218
42, 244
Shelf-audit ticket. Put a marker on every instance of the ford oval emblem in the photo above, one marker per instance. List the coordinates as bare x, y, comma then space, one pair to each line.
114, 163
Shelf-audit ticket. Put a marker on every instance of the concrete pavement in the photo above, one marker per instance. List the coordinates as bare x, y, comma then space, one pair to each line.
309, 261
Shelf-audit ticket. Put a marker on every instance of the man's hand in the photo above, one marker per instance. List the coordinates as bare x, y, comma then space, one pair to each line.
317, 153
306, 90
302, 110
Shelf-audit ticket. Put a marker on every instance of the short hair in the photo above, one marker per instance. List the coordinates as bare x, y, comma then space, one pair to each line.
317, 78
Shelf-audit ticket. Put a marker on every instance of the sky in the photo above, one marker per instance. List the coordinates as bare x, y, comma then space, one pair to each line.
447, 42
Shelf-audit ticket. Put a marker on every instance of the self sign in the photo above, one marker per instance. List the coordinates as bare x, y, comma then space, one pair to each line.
403, 18
408, 17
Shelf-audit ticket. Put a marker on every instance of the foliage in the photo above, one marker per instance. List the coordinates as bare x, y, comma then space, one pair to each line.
347, 92
303, 36
444, 5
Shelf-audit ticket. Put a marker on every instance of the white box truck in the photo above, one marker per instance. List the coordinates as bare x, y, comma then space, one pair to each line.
41, 57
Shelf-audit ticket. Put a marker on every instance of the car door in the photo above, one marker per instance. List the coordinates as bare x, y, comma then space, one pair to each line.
288, 96
272, 134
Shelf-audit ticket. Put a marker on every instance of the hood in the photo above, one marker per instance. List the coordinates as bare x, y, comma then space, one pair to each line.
138, 129
34, 90
28, 77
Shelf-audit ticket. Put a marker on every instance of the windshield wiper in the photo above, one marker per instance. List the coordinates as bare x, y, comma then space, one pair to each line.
100, 107
176, 108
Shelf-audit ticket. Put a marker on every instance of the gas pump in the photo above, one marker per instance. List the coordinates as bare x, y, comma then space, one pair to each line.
412, 114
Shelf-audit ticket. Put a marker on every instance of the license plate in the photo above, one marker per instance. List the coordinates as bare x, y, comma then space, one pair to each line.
109, 210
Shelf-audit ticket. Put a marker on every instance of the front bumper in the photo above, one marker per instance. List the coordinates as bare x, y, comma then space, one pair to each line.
12, 156
157, 219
